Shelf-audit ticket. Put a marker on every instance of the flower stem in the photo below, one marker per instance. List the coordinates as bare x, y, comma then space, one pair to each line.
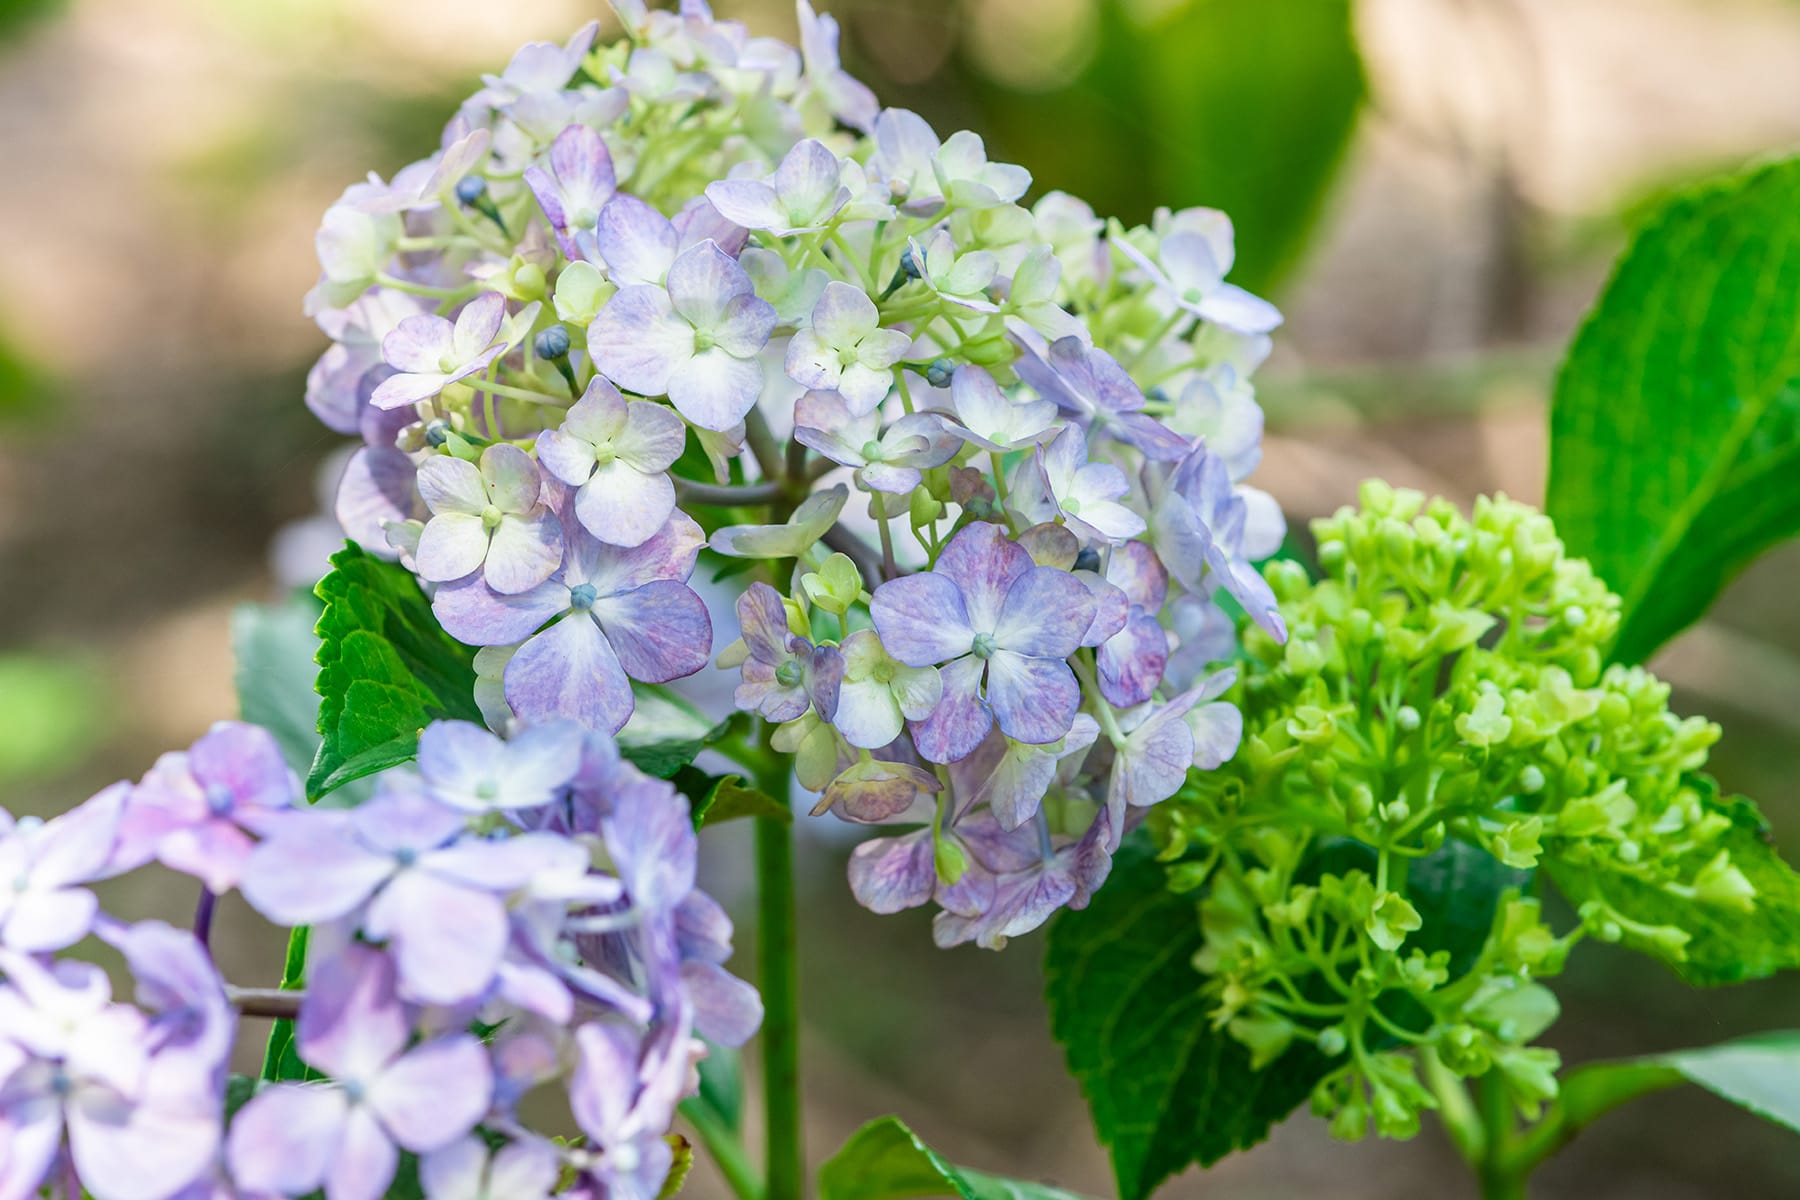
778, 961
726, 1151
203, 918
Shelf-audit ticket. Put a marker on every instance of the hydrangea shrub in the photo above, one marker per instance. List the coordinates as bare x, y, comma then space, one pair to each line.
683, 354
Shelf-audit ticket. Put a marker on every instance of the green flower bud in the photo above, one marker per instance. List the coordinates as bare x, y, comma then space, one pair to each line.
1391, 919
1487, 724
1721, 883
949, 859
1332, 1041
835, 586
1266, 1035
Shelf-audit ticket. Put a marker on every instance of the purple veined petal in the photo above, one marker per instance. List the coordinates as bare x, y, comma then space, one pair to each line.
636, 242
865, 387
762, 619
311, 871
377, 487
961, 719
1264, 526
824, 679
638, 340
452, 546
404, 815
877, 792
564, 456
599, 416
285, 1139
246, 761
351, 1024
399, 391
660, 631
365, 1161
1132, 662
600, 1091
843, 315
923, 439
524, 552
812, 362
1248, 588
446, 940
1112, 608
983, 563
653, 846
475, 614
890, 875
807, 179
452, 485
507, 864
699, 221
1218, 729
703, 281
1153, 762
213, 852
745, 325
76, 846
703, 928
477, 325
1156, 440
585, 169
726, 1009
715, 390
921, 618
1033, 699
510, 478
623, 506
1045, 614
824, 423
761, 692
456, 757
748, 202
569, 671
882, 477
458, 1171
435, 1093
1135, 569
419, 344
1051, 545
670, 554
1190, 266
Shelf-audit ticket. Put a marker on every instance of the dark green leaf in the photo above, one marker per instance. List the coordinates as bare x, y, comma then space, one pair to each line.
722, 1085
1165, 1088
1244, 107
666, 733
1726, 946
1457, 890
280, 1059
884, 1160
717, 798
238, 1090
386, 670
1675, 429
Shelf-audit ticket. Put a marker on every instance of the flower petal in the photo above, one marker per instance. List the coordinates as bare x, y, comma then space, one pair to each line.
660, 631
1046, 613
921, 618
569, 671
623, 506
524, 552
960, 720
715, 390
638, 341
1034, 699
435, 1093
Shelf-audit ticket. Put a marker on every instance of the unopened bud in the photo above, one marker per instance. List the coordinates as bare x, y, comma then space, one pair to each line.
470, 188
939, 371
552, 343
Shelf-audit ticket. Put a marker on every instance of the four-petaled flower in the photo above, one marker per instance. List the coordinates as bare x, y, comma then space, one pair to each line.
431, 353
1191, 264
488, 519
617, 453
783, 672
886, 461
1058, 482
576, 186
844, 349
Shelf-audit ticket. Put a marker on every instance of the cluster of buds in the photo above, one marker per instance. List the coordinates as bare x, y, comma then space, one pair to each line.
696, 291
1441, 717
540, 889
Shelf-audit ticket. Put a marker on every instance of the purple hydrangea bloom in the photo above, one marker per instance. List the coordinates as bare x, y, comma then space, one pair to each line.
1131, 662
1152, 762
989, 418
378, 491
625, 614
73, 1064
637, 244
431, 353
338, 385
43, 907
844, 349
1191, 268
1012, 886
526, 1169
696, 341
891, 460
880, 693
436, 895
1058, 482
1090, 385
1208, 533
200, 811
783, 672
617, 454
470, 769
576, 186
347, 1136
1003, 627
847, 98
488, 519
802, 196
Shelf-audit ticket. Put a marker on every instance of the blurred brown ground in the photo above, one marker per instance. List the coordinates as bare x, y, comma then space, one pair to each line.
166, 161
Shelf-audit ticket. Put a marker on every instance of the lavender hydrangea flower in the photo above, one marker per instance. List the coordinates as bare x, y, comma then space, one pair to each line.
1131, 662
962, 279
845, 97
880, 693
783, 672
338, 386
624, 614
347, 1137
637, 244
1191, 268
1012, 888
617, 453
467, 768
576, 186
696, 341
1059, 483
44, 907
802, 196
989, 418
1089, 384
1152, 762
1003, 628
1207, 533
431, 353
886, 461
526, 1169
844, 349
488, 519
199, 812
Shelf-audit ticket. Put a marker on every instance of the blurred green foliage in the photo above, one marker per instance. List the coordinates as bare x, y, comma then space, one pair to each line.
54, 710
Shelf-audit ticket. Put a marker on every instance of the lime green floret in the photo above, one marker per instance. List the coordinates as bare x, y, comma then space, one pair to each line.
1440, 731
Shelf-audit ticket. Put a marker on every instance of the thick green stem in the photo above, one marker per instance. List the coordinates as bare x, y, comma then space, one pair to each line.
726, 1151
778, 960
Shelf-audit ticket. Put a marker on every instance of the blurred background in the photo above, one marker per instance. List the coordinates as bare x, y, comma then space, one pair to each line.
1431, 189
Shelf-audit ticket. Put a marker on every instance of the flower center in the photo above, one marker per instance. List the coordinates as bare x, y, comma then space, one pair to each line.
603, 454
882, 672
218, 798
1072, 506
582, 597
788, 674
703, 341
983, 646
584, 218
847, 356
406, 856
487, 789
491, 515
871, 451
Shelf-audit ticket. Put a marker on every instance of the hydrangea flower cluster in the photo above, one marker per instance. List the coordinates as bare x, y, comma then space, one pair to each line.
1441, 719
696, 289
511, 914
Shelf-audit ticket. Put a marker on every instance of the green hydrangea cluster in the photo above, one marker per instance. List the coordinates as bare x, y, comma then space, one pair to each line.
1440, 725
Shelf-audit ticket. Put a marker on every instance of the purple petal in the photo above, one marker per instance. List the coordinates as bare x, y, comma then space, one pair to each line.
714, 389
1034, 699
726, 1009
748, 202
447, 940
435, 1093
638, 341
284, 1140
1132, 661
246, 761
452, 485
524, 552
310, 871
660, 631
477, 325
889, 875
921, 618
703, 281
365, 1161
351, 1023
960, 720
418, 344
452, 546
623, 506
1218, 729
763, 620
1045, 614
983, 564
377, 487
475, 614
569, 671
637, 242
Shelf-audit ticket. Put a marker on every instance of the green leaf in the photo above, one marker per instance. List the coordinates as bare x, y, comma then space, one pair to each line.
1761, 1074
1457, 890
678, 1169
1244, 107
722, 1085
1675, 426
386, 670
1165, 1088
275, 648
666, 732
1725, 946
717, 798
884, 1160
280, 1059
